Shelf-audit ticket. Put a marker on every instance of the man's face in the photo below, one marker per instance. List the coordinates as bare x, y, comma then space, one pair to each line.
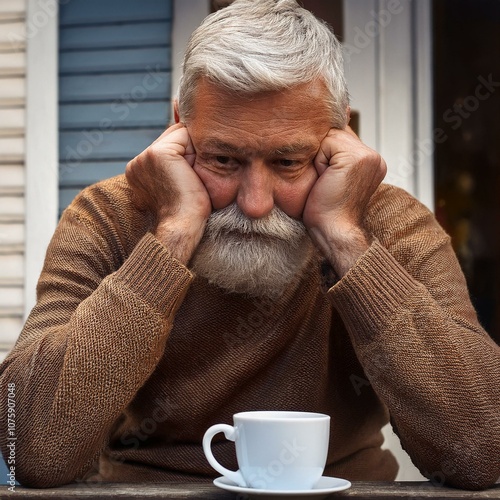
259, 151
256, 159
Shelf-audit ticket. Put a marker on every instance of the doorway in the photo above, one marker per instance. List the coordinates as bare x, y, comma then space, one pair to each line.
467, 156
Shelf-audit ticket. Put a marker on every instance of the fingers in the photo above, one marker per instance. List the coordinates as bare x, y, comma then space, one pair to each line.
337, 142
167, 131
343, 150
177, 133
173, 142
157, 174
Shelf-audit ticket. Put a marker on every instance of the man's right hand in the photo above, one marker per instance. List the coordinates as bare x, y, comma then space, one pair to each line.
163, 181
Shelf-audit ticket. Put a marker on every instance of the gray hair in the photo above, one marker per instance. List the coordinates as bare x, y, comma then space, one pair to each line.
257, 46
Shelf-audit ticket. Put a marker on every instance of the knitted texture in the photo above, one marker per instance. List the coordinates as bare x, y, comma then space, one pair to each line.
127, 357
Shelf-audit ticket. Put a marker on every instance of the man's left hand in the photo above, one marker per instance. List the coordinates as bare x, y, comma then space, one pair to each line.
349, 173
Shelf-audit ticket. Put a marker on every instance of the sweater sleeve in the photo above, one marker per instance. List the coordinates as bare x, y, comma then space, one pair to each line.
96, 334
406, 307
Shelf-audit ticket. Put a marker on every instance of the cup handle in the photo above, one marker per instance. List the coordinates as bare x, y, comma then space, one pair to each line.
230, 433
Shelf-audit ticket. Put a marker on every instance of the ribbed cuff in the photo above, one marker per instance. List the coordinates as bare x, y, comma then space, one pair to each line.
152, 274
372, 291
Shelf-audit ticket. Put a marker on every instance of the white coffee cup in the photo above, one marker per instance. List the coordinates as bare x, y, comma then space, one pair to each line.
276, 450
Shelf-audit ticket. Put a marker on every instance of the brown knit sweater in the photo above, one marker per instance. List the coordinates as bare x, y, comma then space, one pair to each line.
127, 358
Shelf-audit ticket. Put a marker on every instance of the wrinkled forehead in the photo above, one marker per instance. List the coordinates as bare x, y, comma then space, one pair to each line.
210, 95
291, 121
314, 90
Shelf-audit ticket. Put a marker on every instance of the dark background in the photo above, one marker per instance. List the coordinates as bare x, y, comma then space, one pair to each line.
467, 164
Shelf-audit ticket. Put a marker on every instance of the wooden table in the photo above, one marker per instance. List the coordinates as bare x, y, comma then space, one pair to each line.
360, 490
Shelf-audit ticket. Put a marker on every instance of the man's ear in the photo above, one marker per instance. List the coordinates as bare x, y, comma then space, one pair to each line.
348, 114
176, 111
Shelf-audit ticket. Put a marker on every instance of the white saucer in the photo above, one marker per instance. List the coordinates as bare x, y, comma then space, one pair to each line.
323, 487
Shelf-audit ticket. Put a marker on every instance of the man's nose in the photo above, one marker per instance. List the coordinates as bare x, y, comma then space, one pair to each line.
256, 191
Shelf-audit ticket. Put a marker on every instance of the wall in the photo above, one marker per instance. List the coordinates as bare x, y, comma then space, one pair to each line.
12, 171
387, 47
114, 86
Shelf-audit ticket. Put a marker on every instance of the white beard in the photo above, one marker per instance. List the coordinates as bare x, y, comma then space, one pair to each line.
256, 257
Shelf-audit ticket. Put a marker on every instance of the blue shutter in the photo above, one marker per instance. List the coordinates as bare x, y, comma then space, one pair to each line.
114, 86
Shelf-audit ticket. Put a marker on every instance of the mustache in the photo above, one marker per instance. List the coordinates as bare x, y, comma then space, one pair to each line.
277, 224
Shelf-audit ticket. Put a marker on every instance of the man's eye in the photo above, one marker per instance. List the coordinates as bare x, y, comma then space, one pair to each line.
223, 163
223, 160
286, 163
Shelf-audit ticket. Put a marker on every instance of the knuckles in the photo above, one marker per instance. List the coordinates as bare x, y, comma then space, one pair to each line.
148, 157
143, 166
371, 161
131, 172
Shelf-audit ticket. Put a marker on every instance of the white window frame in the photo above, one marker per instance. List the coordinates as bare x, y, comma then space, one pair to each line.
384, 39
42, 159
188, 15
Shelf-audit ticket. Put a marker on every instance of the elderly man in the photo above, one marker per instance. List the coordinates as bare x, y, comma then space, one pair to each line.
251, 258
